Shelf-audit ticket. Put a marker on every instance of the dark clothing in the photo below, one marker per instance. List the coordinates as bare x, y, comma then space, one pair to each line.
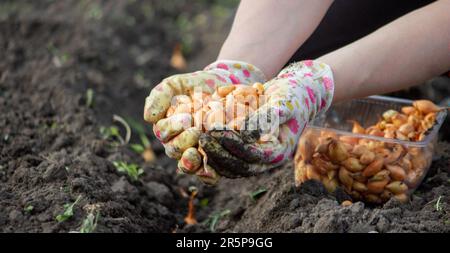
349, 20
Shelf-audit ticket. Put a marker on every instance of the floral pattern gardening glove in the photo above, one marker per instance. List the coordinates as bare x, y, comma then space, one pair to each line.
176, 129
293, 98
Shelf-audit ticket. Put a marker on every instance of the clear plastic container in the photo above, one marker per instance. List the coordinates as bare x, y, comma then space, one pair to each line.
369, 168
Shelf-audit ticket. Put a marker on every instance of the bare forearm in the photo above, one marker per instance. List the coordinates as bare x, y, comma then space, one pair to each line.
267, 33
401, 54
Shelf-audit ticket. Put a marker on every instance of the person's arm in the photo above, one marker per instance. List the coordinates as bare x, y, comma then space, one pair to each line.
267, 33
401, 54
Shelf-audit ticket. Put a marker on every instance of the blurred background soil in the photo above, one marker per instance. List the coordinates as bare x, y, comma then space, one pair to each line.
68, 66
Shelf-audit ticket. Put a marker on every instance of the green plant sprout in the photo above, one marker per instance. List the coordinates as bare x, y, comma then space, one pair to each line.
127, 128
258, 193
28, 208
438, 205
204, 202
110, 133
65, 188
138, 148
145, 142
131, 169
94, 12
89, 223
89, 97
59, 58
68, 210
54, 125
214, 219
113, 132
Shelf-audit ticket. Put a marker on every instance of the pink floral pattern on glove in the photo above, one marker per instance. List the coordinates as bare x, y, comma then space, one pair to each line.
236, 72
173, 129
297, 94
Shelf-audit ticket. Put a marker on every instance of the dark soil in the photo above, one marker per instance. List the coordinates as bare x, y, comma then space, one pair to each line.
51, 149
284, 208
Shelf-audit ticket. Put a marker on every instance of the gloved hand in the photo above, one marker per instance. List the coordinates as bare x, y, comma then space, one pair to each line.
179, 132
293, 98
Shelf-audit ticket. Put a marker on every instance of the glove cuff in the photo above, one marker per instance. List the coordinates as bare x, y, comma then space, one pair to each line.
237, 72
317, 78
